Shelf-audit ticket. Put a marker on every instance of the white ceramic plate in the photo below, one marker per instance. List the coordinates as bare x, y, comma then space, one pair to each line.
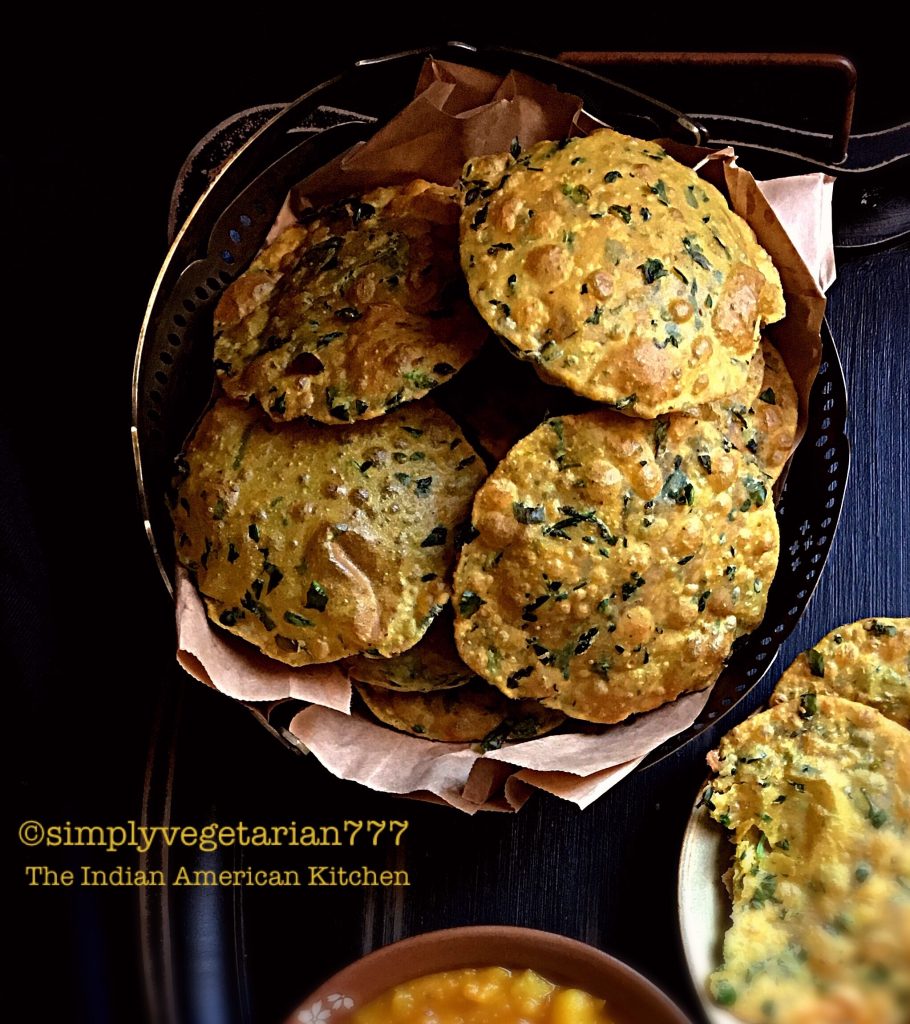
703, 903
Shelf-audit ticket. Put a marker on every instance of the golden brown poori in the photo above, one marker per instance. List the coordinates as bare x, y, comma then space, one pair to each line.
866, 661
614, 563
475, 713
353, 312
618, 271
816, 795
317, 543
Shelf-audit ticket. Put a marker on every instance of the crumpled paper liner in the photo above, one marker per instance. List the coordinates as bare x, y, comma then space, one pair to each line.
458, 113
576, 766
234, 667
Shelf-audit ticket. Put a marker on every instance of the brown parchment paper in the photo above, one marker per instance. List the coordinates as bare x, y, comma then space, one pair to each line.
457, 113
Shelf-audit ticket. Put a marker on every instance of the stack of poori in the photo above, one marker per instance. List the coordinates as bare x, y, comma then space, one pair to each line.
328, 510
816, 794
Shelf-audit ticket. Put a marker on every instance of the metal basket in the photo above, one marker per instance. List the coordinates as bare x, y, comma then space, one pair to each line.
226, 226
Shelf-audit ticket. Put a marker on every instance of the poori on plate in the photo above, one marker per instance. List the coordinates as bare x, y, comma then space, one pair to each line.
352, 312
475, 713
866, 661
816, 795
617, 270
317, 543
613, 563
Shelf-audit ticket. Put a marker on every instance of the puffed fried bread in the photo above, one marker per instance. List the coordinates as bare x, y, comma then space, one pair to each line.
353, 312
317, 543
816, 795
617, 270
866, 661
614, 563
475, 713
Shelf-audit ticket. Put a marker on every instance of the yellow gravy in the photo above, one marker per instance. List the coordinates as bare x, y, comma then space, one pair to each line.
483, 995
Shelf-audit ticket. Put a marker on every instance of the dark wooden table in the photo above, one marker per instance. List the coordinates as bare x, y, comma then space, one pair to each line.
606, 875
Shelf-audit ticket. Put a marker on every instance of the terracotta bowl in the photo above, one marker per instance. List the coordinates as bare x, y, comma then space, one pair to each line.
630, 998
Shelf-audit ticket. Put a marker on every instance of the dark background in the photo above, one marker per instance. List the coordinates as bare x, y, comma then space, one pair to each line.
96, 130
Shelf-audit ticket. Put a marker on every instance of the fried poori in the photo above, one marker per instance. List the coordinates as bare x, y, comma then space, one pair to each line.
317, 543
761, 423
618, 271
867, 661
432, 664
354, 311
615, 561
816, 794
475, 713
